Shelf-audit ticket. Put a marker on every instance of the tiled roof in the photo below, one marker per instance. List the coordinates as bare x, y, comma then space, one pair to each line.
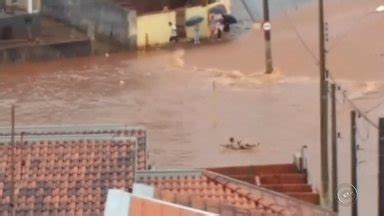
283, 178
64, 175
217, 193
49, 132
122, 203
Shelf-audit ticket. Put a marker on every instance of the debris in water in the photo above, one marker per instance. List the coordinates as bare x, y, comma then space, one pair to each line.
178, 58
122, 82
106, 55
257, 26
380, 9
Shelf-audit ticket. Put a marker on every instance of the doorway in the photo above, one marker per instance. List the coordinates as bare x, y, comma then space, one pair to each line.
180, 22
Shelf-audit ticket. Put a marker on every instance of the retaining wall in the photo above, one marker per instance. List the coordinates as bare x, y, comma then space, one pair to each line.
96, 17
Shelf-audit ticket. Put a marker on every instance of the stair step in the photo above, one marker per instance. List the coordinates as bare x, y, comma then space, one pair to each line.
288, 188
283, 179
276, 168
313, 198
256, 170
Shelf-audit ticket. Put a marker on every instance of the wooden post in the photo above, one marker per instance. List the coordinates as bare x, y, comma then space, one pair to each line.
381, 167
13, 185
354, 161
267, 36
335, 203
323, 109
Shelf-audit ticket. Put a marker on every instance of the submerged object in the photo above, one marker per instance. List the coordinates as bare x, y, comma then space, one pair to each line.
380, 9
241, 147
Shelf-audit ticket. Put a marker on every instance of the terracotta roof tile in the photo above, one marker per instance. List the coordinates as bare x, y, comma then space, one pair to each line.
52, 179
41, 133
216, 193
145, 206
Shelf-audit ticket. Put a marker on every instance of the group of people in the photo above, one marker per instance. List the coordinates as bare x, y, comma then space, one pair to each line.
216, 27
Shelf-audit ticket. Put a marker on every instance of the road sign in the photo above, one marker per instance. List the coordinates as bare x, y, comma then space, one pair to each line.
267, 26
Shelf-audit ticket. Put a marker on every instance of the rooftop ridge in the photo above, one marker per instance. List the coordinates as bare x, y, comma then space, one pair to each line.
100, 132
70, 137
96, 128
168, 173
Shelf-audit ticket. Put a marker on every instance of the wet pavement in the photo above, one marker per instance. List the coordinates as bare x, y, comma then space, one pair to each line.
193, 100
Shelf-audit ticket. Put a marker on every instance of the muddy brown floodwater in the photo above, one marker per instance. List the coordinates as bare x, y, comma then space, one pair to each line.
192, 100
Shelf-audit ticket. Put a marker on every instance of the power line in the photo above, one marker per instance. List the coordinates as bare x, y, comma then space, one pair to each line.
375, 106
339, 38
353, 105
354, 25
309, 51
299, 36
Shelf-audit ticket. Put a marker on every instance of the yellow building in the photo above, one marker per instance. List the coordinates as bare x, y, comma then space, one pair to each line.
153, 29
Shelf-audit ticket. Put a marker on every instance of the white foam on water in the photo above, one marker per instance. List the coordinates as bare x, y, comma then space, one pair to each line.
7, 102
365, 89
301, 80
238, 79
177, 58
78, 77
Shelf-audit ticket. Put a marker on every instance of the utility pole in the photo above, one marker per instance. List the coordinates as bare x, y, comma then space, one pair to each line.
381, 167
267, 37
335, 203
13, 203
323, 109
354, 162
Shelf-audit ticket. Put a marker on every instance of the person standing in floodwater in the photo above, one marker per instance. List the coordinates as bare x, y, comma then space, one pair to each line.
174, 37
212, 25
219, 25
197, 34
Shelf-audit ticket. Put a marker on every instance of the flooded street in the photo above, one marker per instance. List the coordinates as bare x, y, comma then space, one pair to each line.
192, 100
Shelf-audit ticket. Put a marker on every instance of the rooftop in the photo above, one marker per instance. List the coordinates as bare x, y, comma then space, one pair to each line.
213, 192
121, 203
63, 177
283, 178
67, 170
73, 132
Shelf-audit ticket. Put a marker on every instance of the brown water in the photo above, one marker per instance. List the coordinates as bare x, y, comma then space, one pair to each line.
192, 100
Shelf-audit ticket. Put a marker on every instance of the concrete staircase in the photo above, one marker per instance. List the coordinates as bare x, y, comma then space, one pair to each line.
128, 4
282, 178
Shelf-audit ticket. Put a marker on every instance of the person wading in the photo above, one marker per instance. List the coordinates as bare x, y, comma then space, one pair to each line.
197, 34
219, 25
174, 37
212, 26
